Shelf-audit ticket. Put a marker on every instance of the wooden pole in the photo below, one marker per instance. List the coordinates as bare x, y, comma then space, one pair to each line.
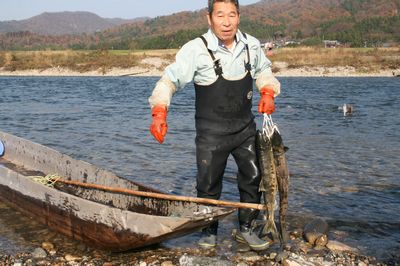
166, 196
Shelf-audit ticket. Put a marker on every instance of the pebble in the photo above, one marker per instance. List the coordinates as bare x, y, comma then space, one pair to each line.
185, 260
241, 247
29, 262
253, 258
249, 254
17, 264
273, 255
70, 258
288, 262
52, 252
281, 256
47, 246
167, 263
39, 253
295, 234
304, 247
338, 246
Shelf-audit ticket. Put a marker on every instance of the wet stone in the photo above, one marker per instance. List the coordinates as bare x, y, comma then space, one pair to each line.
303, 247
47, 246
252, 259
70, 258
273, 255
288, 262
241, 247
317, 252
43, 263
339, 247
167, 263
52, 252
249, 254
39, 253
281, 256
29, 262
74, 263
295, 234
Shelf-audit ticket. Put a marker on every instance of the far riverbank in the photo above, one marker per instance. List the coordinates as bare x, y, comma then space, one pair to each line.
287, 62
148, 71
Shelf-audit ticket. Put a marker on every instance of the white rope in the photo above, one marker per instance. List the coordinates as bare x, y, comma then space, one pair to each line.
269, 126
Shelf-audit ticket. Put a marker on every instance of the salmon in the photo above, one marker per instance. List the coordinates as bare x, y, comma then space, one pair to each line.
269, 183
282, 175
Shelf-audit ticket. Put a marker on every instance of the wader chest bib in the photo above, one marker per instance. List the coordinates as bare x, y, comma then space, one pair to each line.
224, 107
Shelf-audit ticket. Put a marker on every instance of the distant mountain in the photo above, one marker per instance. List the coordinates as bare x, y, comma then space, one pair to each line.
60, 23
353, 22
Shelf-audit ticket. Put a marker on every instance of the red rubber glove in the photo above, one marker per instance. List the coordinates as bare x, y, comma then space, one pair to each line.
159, 127
266, 103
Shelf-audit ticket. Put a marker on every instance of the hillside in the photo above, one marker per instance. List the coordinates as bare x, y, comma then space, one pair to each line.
352, 22
60, 23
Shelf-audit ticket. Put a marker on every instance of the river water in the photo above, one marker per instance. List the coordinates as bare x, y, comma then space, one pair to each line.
345, 169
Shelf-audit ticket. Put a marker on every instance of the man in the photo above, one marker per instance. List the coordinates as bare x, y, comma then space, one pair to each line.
223, 64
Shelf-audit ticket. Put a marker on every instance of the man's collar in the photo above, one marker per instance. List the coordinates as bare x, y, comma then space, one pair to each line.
214, 42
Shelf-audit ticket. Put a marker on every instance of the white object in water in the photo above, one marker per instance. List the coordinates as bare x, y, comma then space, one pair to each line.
347, 109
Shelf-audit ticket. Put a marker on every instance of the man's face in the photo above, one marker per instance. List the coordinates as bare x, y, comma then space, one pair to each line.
224, 22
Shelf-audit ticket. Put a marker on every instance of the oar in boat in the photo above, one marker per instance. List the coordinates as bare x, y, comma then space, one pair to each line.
164, 196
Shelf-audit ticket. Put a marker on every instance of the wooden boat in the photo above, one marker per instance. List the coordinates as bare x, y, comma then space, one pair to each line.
105, 219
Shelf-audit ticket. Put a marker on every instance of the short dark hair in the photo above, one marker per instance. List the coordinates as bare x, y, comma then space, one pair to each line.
212, 2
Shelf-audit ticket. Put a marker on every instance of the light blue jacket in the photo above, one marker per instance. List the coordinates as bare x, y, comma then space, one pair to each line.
194, 63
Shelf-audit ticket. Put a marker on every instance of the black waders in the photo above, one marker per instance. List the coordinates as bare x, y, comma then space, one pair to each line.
225, 125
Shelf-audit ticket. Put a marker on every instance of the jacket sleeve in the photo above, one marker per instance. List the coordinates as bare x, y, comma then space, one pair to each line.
267, 79
176, 75
263, 72
163, 92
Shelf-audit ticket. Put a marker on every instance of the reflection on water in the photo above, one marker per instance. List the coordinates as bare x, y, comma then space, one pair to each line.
344, 169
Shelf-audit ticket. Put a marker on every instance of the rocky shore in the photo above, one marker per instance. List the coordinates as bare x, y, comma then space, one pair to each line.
297, 252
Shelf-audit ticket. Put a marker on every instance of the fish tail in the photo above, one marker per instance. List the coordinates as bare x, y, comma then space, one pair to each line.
270, 227
283, 237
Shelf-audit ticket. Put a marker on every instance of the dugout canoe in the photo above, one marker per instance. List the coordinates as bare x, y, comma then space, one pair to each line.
104, 219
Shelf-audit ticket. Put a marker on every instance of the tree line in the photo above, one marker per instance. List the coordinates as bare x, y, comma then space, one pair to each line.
374, 31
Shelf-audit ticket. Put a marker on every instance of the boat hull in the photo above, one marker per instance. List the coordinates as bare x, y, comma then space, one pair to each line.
103, 219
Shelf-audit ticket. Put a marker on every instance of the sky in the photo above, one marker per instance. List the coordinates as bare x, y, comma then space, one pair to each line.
23, 9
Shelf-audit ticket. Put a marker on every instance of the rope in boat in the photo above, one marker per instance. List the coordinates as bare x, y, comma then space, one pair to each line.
48, 180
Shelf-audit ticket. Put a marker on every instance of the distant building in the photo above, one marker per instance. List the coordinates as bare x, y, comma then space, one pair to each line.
267, 45
293, 43
331, 44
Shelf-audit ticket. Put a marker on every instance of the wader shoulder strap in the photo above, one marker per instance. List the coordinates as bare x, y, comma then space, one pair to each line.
247, 65
217, 64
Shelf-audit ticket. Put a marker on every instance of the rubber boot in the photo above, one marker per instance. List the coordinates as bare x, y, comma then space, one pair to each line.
247, 234
208, 237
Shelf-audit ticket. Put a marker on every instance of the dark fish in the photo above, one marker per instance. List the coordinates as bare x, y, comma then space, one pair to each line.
268, 184
282, 174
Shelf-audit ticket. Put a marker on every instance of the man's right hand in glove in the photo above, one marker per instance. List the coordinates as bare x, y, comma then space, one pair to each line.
159, 127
